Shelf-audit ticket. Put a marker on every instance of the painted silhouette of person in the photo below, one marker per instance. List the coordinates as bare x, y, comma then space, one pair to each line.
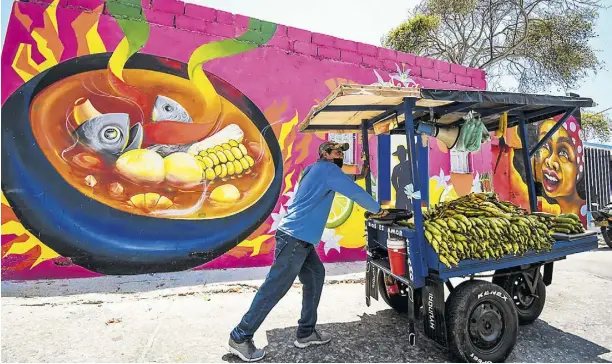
400, 178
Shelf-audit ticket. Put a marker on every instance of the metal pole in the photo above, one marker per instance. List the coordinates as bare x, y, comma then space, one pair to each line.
533, 203
417, 248
423, 164
366, 151
550, 133
384, 168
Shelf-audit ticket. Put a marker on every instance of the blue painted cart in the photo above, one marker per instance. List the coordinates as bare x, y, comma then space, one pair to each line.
479, 319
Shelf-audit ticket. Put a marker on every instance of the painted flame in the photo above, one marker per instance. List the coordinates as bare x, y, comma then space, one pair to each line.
48, 43
86, 30
24, 241
16, 240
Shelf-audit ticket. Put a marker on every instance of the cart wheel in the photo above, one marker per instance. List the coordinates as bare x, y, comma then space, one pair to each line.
397, 302
482, 322
607, 235
528, 307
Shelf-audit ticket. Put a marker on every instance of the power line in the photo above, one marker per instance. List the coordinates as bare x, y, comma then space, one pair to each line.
603, 111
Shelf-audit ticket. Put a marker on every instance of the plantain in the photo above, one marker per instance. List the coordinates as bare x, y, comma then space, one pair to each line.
445, 261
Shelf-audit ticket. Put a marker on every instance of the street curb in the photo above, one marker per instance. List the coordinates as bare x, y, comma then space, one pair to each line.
335, 273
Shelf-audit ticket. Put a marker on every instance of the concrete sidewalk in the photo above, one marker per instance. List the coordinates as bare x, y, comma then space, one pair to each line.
192, 323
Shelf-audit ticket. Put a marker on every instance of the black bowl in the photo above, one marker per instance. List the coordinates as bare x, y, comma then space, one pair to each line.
99, 237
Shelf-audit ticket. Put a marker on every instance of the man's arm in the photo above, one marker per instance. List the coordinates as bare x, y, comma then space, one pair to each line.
339, 182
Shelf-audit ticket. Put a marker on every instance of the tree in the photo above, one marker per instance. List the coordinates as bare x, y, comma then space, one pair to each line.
539, 43
596, 127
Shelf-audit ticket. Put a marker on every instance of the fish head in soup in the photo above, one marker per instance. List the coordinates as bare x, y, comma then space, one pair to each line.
169, 110
110, 135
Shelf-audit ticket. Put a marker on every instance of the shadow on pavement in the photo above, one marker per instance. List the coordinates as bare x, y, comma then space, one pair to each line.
383, 338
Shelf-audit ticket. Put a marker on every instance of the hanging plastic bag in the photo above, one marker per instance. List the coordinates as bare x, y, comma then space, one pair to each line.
472, 134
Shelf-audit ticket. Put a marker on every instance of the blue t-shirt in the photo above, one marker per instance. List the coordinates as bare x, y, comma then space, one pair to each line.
307, 215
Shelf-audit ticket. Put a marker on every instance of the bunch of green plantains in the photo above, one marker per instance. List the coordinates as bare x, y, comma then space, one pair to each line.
564, 223
480, 226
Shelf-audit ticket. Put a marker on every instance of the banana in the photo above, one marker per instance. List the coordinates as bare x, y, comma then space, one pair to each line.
441, 223
451, 224
479, 226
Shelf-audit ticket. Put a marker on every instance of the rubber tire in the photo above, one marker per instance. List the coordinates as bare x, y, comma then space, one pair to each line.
528, 316
462, 300
397, 302
606, 232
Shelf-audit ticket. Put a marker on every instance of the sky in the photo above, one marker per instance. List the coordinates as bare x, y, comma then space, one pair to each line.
367, 21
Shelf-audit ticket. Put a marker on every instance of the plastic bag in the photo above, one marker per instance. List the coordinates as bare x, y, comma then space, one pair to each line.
473, 133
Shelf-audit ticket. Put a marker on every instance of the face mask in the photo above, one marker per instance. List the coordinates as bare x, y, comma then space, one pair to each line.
339, 162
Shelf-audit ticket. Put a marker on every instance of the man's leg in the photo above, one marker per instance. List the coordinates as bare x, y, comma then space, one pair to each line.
312, 276
289, 256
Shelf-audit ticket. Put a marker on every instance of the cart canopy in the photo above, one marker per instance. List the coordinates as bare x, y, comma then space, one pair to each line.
345, 109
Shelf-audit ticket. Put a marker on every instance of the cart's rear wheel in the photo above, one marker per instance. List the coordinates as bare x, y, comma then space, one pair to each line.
482, 322
397, 302
606, 231
528, 306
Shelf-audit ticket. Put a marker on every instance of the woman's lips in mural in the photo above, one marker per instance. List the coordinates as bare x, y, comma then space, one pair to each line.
551, 180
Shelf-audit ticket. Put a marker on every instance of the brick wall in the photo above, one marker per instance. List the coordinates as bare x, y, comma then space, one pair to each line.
220, 24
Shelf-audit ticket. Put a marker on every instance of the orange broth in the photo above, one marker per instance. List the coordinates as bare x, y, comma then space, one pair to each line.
52, 121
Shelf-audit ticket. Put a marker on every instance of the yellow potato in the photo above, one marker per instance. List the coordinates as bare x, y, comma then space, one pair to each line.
182, 170
225, 194
142, 166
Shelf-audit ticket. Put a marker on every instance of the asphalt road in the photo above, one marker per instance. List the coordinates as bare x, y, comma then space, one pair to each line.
191, 324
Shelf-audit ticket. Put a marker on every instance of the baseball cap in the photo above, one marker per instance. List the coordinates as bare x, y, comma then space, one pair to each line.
330, 145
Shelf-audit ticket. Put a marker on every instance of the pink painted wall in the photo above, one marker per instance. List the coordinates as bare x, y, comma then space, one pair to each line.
284, 78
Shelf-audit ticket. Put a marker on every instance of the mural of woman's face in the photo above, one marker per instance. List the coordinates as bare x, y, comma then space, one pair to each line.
556, 164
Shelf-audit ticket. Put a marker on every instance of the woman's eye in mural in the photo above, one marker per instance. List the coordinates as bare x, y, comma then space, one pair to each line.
565, 149
544, 152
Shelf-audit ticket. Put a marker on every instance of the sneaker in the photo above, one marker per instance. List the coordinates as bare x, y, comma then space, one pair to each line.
246, 350
315, 338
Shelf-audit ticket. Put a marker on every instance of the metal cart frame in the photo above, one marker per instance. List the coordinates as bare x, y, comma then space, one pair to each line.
424, 285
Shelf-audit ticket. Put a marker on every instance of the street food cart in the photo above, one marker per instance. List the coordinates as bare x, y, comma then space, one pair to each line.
477, 319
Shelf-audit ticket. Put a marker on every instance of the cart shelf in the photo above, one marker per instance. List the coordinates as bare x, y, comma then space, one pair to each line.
560, 250
564, 245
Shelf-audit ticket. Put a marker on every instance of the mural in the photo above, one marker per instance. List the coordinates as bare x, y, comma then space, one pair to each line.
558, 167
444, 185
124, 155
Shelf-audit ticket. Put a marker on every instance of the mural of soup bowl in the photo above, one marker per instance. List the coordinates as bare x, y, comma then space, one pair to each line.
136, 208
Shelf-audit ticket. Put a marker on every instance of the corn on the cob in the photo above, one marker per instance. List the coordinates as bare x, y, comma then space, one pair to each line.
219, 140
223, 155
224, 163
